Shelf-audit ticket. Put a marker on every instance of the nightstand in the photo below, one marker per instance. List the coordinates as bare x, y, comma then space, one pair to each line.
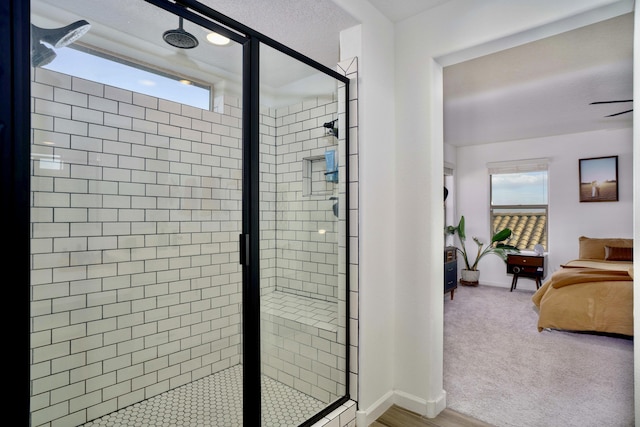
532, 266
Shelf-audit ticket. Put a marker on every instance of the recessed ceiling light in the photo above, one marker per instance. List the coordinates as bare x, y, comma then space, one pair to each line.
217, 39
186, 82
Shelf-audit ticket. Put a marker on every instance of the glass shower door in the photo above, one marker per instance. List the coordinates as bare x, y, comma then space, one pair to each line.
136, 208
303, 245
138, 164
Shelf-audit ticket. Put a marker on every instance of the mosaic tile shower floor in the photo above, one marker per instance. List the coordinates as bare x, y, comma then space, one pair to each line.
214, 401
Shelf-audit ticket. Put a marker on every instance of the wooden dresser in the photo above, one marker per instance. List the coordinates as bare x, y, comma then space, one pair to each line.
450, 270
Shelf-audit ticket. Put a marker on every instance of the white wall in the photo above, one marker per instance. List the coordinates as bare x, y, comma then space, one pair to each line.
568, 218
401, 216
442, 35
373, 44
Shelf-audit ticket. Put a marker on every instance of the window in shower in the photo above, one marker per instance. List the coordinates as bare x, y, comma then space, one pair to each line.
108, 69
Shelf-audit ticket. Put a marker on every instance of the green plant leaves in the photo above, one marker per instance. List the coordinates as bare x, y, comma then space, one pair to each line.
500, 249
501, 235
461, 229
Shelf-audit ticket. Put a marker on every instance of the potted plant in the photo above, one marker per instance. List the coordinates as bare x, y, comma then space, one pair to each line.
470, 274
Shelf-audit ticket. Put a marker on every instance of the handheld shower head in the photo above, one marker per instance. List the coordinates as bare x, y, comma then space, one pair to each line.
41, 54
60, 37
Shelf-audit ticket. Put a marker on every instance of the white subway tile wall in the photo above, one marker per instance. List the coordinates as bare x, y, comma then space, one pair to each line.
307, 229
344, 416
136, 287
299, 312
136, 211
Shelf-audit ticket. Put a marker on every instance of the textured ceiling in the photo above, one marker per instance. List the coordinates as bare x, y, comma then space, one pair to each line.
310, 27
543, 88
397, 10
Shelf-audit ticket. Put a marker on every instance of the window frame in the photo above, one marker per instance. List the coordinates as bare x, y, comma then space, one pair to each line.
128, 62
519, 167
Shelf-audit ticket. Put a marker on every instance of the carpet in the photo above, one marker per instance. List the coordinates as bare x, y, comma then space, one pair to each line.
499, 369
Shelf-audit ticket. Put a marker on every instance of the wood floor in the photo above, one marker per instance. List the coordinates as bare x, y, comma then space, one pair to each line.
400, 417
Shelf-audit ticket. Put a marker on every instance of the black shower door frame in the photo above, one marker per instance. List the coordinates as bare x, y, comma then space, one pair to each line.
15, 94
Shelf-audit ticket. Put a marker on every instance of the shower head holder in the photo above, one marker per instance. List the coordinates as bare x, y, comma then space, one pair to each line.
332, 127
41, 55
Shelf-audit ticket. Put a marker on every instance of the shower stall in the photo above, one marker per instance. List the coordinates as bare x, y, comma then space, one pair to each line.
188, 221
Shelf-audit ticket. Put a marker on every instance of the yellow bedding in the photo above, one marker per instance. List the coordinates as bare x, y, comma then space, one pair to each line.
588, 296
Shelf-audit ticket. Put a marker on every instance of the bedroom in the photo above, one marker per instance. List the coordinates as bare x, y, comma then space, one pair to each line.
568, 217
584, 134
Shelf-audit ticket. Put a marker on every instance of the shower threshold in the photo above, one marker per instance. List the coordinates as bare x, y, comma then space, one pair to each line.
215, 401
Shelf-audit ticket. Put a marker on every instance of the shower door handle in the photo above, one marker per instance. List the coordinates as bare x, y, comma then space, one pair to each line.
244, 249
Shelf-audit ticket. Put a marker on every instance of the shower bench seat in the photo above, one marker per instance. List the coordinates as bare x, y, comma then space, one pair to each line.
305, 310
300, 342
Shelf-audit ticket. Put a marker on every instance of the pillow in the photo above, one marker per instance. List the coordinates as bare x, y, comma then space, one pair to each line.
591, 248
615, 253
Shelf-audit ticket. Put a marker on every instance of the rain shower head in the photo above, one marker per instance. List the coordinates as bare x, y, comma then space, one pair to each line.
180, 38
41, 54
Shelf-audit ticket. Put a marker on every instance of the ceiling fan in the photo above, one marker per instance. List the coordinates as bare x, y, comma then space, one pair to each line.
614, 102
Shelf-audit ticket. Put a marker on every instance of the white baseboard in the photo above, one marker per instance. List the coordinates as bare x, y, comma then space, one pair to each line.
373, 412
429, 409
434, 407
410, 402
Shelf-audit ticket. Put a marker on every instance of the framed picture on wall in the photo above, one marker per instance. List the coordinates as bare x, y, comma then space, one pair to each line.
599, 179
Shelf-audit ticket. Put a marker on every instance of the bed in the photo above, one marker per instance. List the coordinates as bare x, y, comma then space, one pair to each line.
593, 293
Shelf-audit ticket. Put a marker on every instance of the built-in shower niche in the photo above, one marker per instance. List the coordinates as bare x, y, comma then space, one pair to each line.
317, 179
